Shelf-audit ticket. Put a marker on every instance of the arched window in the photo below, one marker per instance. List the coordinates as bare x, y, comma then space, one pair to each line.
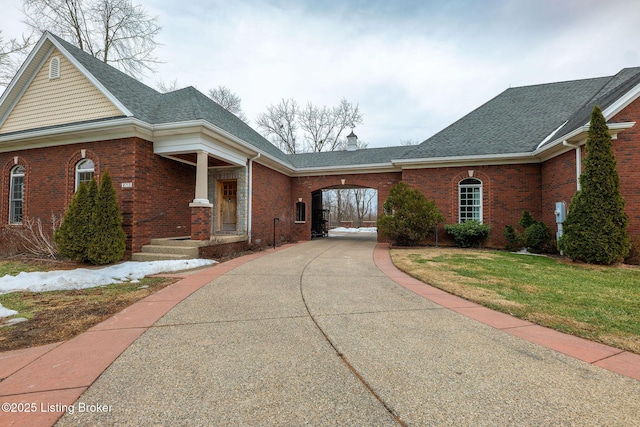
16, 195
54, 68
470, 200
84, 171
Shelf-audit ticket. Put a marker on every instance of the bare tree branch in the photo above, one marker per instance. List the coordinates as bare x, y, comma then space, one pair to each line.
229, 101
115, 31
12, 54
165, 87
279, 124
322, 128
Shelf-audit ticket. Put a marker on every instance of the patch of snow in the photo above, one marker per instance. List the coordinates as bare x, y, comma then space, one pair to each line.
524, 251
5, 312
354, 230
83, 278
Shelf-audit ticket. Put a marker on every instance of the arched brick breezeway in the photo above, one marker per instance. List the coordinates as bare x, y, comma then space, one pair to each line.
303, 188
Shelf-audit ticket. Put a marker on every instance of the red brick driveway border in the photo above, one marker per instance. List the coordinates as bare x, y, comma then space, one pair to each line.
39, 383
612, 359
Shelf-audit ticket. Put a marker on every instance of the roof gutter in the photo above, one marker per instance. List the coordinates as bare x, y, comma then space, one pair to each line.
482, 159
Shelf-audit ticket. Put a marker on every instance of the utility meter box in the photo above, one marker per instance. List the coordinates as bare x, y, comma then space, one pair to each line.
561, 212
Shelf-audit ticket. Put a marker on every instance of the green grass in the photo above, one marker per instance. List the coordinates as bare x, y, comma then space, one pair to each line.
26, 306
598, 303
13, 268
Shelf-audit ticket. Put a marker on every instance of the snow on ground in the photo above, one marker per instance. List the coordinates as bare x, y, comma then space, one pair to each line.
83, 278
354, 230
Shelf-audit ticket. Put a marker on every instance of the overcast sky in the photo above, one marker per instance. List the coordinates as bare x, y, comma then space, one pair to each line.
414, 67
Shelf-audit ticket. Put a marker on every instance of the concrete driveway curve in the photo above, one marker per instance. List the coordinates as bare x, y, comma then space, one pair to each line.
317, 335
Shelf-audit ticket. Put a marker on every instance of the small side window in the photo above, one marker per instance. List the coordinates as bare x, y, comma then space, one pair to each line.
301, 212
16, 195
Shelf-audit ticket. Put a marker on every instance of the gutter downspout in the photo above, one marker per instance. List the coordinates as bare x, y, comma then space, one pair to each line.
578, 161
250, 196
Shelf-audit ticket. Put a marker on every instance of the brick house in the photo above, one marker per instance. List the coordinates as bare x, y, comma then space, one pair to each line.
184, 167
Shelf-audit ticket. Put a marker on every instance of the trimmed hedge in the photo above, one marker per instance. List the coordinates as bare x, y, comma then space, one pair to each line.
468, 234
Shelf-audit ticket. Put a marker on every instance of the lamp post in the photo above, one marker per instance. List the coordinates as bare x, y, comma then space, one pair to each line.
275, 221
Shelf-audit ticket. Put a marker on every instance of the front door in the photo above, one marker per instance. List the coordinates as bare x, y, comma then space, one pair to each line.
228, 191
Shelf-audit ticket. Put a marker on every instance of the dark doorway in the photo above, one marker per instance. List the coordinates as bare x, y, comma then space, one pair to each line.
319, 216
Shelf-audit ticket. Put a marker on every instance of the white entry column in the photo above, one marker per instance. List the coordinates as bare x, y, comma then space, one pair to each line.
202, 180
201, 208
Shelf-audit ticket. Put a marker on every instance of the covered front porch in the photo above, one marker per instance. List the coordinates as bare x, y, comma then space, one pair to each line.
221, 206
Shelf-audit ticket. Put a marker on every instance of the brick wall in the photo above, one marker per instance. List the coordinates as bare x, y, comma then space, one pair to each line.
559, 173
271, 199
627, 151
507, 190
303, 187
157, 204
163, 189
558, 184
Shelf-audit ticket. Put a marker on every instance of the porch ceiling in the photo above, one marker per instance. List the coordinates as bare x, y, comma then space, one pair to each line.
192, 159
184, 148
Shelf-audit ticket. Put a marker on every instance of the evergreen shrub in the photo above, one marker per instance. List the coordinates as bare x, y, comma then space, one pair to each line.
75, 232
595, 228
408, 217
468, 234
109, 239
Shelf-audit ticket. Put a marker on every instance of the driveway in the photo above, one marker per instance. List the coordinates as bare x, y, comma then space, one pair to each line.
316, 334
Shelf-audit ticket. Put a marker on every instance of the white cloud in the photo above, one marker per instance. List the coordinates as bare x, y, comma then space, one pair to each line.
413, 66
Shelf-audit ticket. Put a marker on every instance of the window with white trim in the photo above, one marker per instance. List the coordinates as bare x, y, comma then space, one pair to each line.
84, 171
470, 200
16, 195
54, 68
301, 212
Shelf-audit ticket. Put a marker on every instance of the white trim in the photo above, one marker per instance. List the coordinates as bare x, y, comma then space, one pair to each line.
250, 195
482, 159
478, 186
13, 174
551, 135
577, 136
621, 102
71, 134
78, 171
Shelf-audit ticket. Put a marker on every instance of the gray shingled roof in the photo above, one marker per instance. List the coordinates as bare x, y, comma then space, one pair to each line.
516, 121
367, 156
154, 107
616, 87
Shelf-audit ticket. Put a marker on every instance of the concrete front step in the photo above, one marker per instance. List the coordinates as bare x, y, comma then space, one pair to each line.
148, 256
178, 250
181, 242
181, 247
186, 241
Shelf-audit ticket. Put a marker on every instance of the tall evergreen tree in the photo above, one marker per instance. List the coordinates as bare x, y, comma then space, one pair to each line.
74, 234
595, 228
108, 242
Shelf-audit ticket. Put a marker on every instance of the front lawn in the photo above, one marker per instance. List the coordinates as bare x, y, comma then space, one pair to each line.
60, 315
594, 302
